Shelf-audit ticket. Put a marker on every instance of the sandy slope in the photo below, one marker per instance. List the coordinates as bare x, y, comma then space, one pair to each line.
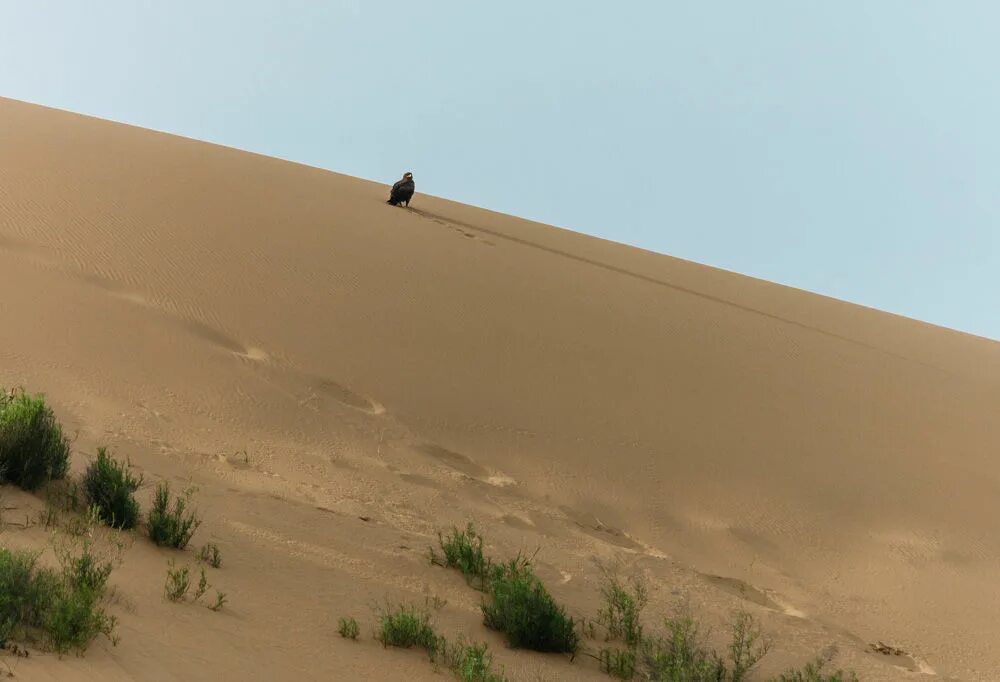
181, 302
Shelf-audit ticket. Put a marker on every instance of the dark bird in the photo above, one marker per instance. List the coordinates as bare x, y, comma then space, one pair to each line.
402, 191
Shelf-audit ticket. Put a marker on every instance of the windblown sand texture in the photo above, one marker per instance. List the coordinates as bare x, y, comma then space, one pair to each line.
306, 356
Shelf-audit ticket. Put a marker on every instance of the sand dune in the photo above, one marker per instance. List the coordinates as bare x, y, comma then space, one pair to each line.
307, 355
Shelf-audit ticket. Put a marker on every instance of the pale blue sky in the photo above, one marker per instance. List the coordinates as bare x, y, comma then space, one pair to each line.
850, 148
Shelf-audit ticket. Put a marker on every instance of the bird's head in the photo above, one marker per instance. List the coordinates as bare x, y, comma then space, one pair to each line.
407, 176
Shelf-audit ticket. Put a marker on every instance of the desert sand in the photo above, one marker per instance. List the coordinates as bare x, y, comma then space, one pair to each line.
340, 379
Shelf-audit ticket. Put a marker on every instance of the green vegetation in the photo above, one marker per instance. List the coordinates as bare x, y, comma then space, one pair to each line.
679, 653
519, 606
620, 613
178, 582
407, 627
517, 603
618, 663
33, 449
59, 609
220, 601
348, 628
463, 550
211, 555
111, 488
470, 662
171, 527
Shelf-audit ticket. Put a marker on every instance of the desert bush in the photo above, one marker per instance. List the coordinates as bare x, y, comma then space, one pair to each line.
58, 609
171, 527
407, 627
220, 601
178, 582
618, 663
211, 555
348, 628
621, 610
518, 605
471, 662
463, 550
813, 672
33, 449
110, 487
680, 654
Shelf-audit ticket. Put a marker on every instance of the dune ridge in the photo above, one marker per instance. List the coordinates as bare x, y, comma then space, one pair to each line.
307, 355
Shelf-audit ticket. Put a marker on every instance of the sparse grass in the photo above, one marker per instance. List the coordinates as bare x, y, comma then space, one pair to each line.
33, 449
171, 527
407, 627
110, 487
519, 606
517, 603
471, 662
60, 609
211, 555
813, 672
622, 606
679, 655
220, 601
202, 586
178, 582
463, 550
618, 663
348, 628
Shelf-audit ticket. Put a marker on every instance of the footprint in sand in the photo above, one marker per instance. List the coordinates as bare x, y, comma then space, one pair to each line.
346, 396
217, 338
194, 327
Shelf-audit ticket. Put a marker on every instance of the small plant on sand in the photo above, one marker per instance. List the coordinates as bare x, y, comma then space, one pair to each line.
680, 655
463, 550
33, 449
62, 609
621, 610
220, 601
178, 582
348, 628
618, 663
171, 527
813, 672
111, 488
406, 627
202, 586
211, 555
518, 605
471, 662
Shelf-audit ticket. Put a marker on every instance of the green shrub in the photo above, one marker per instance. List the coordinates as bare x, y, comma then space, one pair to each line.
171, 527
680, 656
211, 555
473, 663
463, 550
348, 628
407, 627
621, 610
61, 609
111, 488
618, 663
519, 606
178, 582
813, 672
220, 601
33, 449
